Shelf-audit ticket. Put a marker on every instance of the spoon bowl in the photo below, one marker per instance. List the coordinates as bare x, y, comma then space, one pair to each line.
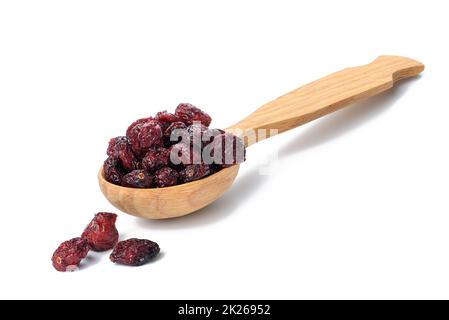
170, 202
291, 110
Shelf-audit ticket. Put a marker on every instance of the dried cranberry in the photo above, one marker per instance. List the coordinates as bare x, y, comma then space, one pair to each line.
155, 159
69, 254
120, 148
184, 154
200, 133
210, 134
134, 252
177, 135
166, 177
134, 128
112, 171
194, 172
149, 135
101, 233
188, 114
137, 179
166, 119
230, 147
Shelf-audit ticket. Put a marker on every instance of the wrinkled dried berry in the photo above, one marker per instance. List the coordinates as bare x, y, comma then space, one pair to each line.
200, 135
166, 177
137, 179
69, 254
134, 252
188, 114
183, 154
155, 159
134, 128
112, 171
149, 136
181, 141
232, 150
101, 233
120, 148
177, 129
194, 172
166, 119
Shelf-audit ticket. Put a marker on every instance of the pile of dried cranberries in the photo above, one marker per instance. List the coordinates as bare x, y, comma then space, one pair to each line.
101, 235
170, 149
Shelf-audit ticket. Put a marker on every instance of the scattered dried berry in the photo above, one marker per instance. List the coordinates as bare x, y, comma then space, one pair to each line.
137, 179
101, 233
166, 177
194, 172
69, 254
134, 252
155, 159
112, 171
188, 114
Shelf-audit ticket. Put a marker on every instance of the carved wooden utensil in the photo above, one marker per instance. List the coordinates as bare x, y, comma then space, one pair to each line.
291, 110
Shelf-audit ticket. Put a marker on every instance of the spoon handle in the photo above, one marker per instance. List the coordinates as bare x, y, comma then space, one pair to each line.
324, 96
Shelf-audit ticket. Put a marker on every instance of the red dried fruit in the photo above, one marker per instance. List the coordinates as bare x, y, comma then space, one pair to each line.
101, 233
134, 128
149, 136
137, 179
200, 133
230, 147
112, 171
155, 159
184, 154
166, 119
120, 148
188, 114
194, 172
166, 177
134, 252
177, 135
69, 254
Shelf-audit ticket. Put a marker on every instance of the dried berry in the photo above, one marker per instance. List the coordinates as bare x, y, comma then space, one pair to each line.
200, 135
194, 172
230, 148
134, 128
137, 179
149, 136
69, 254
188, 114
155, 159
112, 171
166, 177
177, 129
101, 233
166, 119
120, 148
184, 154
134, 252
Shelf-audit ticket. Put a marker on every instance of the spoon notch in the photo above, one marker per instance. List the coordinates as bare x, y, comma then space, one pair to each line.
324, 96
291, 110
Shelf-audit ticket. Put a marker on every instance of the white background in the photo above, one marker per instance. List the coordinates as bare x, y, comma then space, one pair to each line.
357, 208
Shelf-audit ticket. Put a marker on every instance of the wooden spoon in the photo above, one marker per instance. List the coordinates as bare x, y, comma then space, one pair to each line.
291, 110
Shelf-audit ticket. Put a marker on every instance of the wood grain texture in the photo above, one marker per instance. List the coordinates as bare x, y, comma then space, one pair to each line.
297, 107
326, 95
168, 202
